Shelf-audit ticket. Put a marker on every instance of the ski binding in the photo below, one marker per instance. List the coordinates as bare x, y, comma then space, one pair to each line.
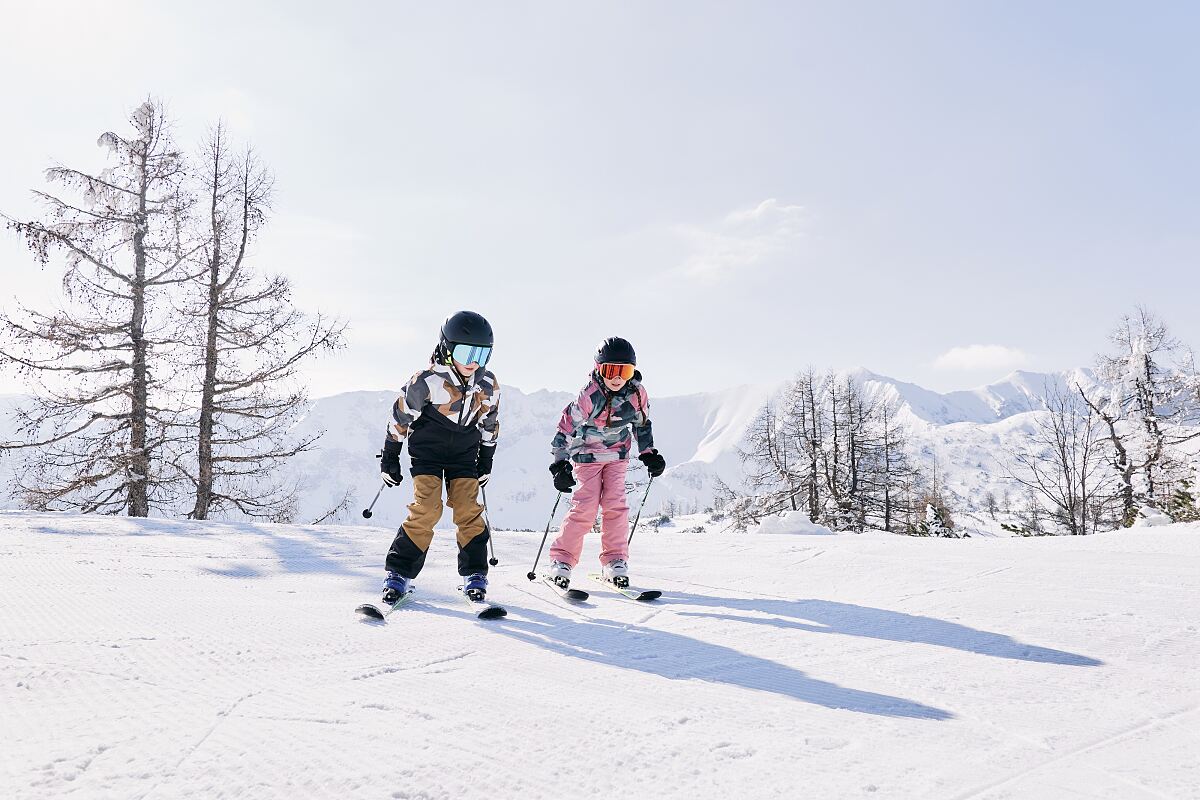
643, 596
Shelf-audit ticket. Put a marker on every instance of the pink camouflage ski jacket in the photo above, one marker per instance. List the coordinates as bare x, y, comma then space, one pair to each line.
596, 426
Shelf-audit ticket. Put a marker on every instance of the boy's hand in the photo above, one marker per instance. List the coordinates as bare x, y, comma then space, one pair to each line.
564, 476
655, 464
389, 463
483, 464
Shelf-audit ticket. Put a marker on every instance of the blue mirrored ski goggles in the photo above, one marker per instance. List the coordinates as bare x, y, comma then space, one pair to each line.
471, 354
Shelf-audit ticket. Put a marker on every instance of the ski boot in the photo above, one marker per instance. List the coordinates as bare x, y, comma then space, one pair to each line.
475, 587
616, 572
395, 587
560, 573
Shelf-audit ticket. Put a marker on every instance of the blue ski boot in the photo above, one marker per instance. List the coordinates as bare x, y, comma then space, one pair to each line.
475, 587
395, 587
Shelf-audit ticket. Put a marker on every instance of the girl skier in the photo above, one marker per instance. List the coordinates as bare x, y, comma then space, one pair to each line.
594, 441
449, 414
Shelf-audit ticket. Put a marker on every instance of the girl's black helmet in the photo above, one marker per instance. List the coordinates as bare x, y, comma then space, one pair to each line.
615, 350
466, 327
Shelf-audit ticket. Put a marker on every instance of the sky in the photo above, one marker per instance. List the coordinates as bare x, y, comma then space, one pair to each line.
937, 191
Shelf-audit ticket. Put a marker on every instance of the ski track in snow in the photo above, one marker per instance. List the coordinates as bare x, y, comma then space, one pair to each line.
155, 659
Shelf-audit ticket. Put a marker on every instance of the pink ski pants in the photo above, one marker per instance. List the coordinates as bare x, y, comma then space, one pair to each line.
598, 485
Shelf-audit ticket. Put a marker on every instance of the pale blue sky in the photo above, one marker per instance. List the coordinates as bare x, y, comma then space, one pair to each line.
741, 189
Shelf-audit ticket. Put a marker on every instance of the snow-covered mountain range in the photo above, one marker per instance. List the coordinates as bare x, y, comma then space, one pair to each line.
699, 435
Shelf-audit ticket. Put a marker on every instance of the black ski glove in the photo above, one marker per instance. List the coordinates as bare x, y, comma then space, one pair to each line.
655, 464
389, 463
483, 464
564, 476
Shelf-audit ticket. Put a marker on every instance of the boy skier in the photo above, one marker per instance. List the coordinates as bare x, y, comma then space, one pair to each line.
448, 412
594, 433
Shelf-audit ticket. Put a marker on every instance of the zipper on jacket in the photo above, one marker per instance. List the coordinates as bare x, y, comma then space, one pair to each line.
466, 395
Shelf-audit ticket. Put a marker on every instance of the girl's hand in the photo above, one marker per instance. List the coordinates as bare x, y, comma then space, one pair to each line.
655, 464
564, 476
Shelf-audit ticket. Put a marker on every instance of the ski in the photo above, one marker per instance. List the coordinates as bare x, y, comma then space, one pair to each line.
574, 595
371, 612
641, 596
482, 608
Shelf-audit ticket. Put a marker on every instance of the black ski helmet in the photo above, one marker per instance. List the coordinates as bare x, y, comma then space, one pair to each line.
615, 350
466, 327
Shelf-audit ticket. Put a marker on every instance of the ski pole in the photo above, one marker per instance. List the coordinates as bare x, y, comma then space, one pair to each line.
533, 572
639, 514
367, 510
493, 560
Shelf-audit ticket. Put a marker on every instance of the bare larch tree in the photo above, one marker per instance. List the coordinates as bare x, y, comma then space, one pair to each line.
1063, 463
249, 345
831, 448
769, 462
890, 466
1149, 407
99, 422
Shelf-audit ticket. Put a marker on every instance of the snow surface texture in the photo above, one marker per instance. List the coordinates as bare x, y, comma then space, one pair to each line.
158, 659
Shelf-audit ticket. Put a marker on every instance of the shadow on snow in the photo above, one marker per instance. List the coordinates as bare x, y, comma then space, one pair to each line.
295, 548
827, 616
677, 657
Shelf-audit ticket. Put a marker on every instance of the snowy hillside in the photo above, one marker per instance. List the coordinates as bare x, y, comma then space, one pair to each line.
971, 434
1018, 393
699, 434
153, 659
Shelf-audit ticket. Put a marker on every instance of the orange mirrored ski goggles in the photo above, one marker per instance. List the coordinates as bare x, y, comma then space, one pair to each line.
622, 371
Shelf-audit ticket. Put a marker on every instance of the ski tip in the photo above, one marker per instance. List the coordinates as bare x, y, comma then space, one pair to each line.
493, 612
646, 597
369, 613
575, 595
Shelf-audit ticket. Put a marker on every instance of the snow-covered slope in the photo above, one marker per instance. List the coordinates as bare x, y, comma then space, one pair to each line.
154, 659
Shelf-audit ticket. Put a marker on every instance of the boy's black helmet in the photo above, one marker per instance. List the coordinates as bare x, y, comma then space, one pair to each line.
466, 327
615, 350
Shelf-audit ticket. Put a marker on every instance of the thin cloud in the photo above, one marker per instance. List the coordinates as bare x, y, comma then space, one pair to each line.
982, 357
740, 240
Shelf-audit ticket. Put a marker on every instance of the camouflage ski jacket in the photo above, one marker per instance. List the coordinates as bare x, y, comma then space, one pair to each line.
598, 424
439, 389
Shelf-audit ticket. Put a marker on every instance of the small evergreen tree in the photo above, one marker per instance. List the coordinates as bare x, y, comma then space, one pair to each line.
1181, 506
937, 522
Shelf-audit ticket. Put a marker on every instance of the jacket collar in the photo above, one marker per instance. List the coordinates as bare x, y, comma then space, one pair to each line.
448, 371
